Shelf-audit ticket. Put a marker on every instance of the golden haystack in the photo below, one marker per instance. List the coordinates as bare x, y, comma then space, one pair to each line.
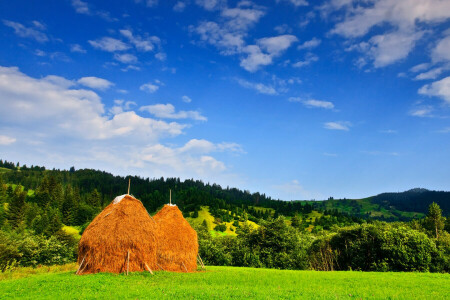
177, 241
120, 239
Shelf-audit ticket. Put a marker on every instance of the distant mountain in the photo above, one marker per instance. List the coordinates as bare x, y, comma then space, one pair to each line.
415, 200
401, 206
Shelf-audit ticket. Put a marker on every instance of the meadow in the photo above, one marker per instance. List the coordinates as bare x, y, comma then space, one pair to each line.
221, 283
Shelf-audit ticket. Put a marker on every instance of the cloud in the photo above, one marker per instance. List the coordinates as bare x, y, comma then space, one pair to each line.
141, 44
296, 3
126, 58
442, 50
211, 4
340, 125
439, 89
272, 47
293, 190
422, 111
282, 29
402, 20
46, 111
167, 111
179, 6
77, 48
229, 33
277, 44
433, 73
109, 44
27, 32
309, 59
313, 103
81, 7
6, 140
51, 106
186, 99
95, 83
259, 87
313, 43
149, 87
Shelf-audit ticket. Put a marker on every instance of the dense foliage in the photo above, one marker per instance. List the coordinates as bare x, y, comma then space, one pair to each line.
36, 203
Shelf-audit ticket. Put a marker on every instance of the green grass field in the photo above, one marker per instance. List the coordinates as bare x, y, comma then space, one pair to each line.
222, 283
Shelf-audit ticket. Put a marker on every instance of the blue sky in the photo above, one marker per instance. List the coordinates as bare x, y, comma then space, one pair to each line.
297, 99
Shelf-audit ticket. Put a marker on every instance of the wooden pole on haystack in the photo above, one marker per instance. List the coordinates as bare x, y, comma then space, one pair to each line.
170, 197
129, 181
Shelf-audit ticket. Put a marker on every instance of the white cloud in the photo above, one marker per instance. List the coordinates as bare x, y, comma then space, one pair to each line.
282, 29
50, 105
293, 190
228, 36
313, 43
161, 56
81, 7
340, 125
46, 111
433, 73
404, 21
422, 111
296, 3
277, 44
77, 48
149, 87
186, 99
442, 50
259, 87
255, 59
167, 111
388, 48
6, 140
27, 32
311, 103
420, 67
141, 44
126, 58
439, 89
211, 4
95, 83
179, 6
309, 58
272, 47
109, 44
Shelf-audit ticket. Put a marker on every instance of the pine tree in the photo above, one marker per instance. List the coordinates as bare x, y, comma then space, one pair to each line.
94, 198
434, 219
16, 208
69, 207
54, 223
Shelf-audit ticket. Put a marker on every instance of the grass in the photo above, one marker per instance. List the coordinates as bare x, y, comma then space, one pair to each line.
227, 283
73, 231
204, 214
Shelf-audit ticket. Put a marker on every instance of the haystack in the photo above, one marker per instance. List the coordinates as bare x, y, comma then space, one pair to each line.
177, 241
120, 239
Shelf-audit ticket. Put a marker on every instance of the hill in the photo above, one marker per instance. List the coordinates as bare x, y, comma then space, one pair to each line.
401, 206
93, 189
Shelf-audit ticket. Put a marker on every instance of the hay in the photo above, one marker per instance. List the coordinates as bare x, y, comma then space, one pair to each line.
177, 241
123, 228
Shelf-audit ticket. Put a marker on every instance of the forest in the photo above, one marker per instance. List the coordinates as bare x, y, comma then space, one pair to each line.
40, 207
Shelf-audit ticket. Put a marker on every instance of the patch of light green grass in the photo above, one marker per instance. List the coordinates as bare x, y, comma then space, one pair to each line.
229, 283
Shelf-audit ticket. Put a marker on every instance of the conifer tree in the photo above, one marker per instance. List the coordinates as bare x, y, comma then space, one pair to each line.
434, 219
16, 208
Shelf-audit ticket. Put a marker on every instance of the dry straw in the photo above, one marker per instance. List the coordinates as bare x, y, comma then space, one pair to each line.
177, 241
120, 239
